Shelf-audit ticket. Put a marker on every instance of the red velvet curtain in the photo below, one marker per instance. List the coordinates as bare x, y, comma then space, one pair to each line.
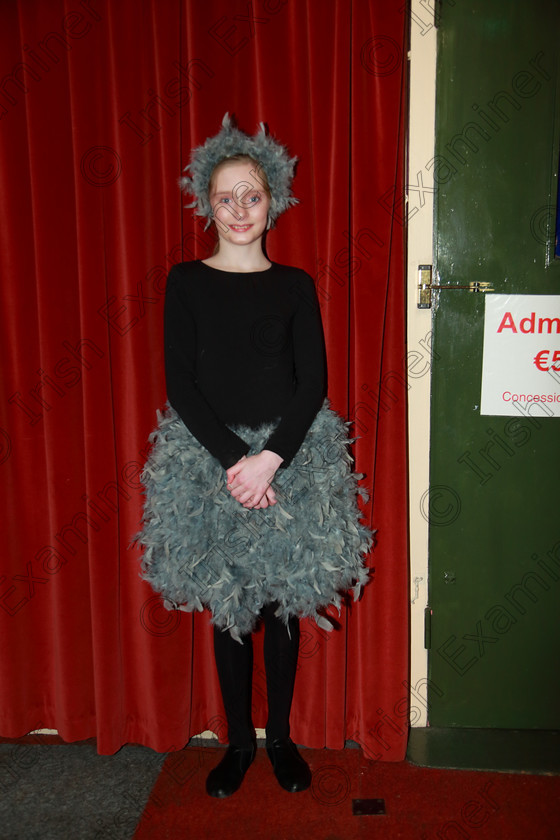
100, 103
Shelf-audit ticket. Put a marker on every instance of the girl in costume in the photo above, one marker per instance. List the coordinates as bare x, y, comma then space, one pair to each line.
250, 506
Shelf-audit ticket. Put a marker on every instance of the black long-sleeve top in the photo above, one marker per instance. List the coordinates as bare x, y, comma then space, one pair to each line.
243, 349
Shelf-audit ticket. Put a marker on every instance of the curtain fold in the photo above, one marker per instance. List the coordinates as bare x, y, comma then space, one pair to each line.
100, 104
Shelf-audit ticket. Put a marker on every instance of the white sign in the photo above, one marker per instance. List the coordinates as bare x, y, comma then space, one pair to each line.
521, 358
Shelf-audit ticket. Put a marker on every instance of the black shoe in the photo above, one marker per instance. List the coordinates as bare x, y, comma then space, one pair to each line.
226, 778
290, 769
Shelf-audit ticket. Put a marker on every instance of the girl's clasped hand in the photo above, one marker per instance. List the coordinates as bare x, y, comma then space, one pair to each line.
249, 480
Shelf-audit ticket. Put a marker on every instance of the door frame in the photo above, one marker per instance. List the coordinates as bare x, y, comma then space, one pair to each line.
420, 236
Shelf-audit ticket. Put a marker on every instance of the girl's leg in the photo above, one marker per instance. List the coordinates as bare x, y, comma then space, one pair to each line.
281, 646
235, 671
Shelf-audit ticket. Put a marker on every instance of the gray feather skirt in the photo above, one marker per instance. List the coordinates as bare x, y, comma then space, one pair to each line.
201, 548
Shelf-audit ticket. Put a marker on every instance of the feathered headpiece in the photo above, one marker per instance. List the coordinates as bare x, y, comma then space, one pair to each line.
271, 155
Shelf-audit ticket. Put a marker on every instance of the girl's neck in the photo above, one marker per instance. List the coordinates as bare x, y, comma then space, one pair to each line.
242, 260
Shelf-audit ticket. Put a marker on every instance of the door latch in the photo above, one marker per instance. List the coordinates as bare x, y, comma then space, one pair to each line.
425, 286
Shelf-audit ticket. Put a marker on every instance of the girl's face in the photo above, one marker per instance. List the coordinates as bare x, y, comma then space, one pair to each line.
239, 203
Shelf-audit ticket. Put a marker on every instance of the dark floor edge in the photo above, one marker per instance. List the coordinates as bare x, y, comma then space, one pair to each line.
501, 750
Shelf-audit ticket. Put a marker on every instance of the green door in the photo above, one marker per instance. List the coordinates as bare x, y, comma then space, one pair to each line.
494, 576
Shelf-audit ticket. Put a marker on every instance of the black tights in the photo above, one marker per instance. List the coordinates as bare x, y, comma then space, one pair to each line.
235, 670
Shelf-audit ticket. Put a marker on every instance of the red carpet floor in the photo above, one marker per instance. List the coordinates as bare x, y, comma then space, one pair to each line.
420, 804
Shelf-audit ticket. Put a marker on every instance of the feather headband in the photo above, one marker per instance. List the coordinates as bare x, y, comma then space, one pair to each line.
271, 156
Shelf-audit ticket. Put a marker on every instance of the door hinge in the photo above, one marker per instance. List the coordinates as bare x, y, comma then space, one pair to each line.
425, 286
428, 628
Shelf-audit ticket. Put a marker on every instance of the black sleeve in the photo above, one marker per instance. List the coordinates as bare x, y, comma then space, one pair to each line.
310, 372
180, 373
